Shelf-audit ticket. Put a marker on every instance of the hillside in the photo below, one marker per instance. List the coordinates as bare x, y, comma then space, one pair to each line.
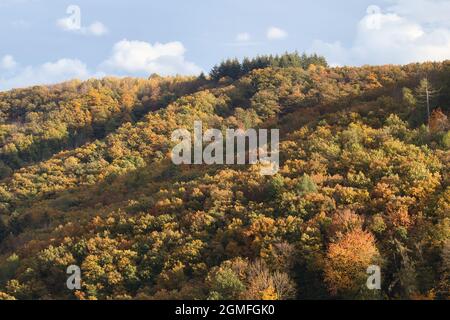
87, 180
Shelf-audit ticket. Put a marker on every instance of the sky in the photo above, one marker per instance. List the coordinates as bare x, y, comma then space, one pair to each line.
49, 41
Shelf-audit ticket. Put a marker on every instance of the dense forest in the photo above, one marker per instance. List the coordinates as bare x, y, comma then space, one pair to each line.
87, 180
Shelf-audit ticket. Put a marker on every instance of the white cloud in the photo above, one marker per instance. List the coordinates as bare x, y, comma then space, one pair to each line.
243, 37
431, 12
127, 58
97, 29
140, 57
47, 73
8, 62
67, 24
389, 37
274, 33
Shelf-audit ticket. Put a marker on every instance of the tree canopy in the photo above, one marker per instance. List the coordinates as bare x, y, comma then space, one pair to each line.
86, 180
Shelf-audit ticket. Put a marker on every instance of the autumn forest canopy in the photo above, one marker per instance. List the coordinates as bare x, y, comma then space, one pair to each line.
86, 179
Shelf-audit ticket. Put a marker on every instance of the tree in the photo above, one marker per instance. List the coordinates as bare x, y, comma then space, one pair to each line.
229, 68
406, 275
262, 284
306, 185
425, 94
275, 186
438, 121
225, 285
446, 140
234, 69
409, 99
266, 104
344, 222
347, 261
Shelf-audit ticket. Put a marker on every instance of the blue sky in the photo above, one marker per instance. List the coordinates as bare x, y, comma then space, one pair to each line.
40, 43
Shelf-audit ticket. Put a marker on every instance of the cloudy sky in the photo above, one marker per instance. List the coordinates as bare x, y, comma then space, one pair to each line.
48, 41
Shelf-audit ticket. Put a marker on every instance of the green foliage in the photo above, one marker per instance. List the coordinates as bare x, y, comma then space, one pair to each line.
276, 186
408, 98
446, 140
234, 69
225, 285
306, 185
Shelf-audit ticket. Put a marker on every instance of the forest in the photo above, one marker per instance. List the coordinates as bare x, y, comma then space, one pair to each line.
86, 179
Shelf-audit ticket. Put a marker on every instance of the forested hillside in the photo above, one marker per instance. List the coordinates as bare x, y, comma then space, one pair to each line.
87, 180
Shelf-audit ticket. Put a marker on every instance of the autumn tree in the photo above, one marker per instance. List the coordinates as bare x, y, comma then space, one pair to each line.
347, 261
438, 121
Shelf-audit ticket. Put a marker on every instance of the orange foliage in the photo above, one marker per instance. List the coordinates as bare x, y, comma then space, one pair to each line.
347, 261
